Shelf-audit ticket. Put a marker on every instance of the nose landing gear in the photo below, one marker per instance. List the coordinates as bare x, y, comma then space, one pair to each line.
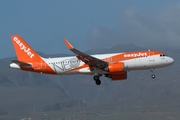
152, 76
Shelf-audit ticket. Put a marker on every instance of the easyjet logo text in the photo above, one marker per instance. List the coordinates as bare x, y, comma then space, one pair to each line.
23, 47
140, 54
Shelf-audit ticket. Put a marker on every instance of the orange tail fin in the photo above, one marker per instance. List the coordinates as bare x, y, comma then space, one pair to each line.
23, 51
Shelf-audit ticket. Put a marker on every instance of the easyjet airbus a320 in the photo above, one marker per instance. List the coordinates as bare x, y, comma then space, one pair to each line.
113, 66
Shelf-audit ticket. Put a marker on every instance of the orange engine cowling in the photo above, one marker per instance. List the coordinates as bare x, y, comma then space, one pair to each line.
116, 67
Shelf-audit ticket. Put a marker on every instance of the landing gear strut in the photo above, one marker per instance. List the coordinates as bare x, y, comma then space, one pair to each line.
152, 76
96, 79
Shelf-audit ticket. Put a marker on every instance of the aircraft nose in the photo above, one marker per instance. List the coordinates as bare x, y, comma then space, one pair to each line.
171, 61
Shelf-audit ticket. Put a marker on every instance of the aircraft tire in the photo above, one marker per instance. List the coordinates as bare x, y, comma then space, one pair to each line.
96, 77
98, 82
153, 76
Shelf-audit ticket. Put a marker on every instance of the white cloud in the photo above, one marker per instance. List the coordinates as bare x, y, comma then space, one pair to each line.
147, 29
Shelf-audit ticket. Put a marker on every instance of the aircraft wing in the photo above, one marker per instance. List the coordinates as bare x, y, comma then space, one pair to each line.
21, 63
94, 63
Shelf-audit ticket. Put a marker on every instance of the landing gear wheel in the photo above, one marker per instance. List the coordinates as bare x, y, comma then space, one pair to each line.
96, 77
98, 82
153, 76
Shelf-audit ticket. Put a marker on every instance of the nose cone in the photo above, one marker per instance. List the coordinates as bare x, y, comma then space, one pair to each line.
170, 61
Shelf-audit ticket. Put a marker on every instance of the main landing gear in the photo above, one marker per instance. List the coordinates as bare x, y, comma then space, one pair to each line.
152, 76
97, 80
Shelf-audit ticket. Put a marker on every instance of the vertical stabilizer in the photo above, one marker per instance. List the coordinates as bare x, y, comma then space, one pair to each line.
24, 52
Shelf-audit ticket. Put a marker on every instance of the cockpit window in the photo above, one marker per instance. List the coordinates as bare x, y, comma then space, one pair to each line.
162, 55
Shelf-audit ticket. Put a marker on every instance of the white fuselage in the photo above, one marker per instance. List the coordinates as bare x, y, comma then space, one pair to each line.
113, 66
64, 65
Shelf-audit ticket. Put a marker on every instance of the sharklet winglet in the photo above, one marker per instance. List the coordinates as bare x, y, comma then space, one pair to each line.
68, 44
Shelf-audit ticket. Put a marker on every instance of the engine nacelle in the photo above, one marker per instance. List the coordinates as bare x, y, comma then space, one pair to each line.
117, 76
116, 67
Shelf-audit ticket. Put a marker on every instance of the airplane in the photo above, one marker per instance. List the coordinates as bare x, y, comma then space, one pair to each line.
114, 66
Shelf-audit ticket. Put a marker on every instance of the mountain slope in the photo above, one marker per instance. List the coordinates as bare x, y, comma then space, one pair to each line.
33, 92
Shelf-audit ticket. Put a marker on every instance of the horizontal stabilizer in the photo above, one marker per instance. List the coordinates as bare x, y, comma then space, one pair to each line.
21, 63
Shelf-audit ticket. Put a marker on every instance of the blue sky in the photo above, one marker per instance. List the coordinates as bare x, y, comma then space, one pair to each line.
86, 24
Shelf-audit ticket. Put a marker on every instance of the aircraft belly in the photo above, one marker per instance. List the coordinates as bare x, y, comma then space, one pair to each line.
140, 64
135, 64
67, 73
